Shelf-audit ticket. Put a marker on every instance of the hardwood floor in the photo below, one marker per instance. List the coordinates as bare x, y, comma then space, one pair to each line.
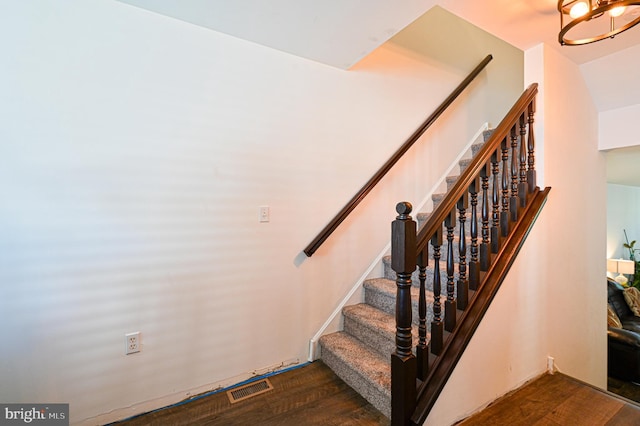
558, 400
311, 395
624, 389
314, 395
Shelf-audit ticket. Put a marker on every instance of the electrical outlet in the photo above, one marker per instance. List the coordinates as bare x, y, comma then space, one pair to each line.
132, 343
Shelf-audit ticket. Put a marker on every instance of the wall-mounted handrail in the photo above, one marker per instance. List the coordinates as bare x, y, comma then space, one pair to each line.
362, 193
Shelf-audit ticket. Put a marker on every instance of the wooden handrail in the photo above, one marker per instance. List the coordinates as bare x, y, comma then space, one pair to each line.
366, 189
473, 169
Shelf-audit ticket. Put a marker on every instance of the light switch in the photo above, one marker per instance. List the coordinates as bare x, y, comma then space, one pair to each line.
264, 214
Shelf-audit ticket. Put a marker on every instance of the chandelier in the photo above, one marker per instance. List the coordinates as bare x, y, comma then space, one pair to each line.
588, 21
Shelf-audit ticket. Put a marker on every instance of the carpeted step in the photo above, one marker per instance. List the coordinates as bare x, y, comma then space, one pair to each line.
437, 199
391, 276
381, 294
421, 219
366, 371
476, 147
375, 328
464, 163
451, 180
389, 273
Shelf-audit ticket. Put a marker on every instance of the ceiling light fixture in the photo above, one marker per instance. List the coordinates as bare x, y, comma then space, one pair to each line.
588, 21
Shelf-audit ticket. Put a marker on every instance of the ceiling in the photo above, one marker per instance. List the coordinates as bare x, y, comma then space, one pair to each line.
341, 32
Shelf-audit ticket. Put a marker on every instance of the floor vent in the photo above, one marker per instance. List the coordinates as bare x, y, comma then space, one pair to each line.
247, 391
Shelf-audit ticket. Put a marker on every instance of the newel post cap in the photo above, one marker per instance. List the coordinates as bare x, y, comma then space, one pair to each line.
403, 239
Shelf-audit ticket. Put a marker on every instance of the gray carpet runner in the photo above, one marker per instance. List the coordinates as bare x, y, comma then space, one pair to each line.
361, 353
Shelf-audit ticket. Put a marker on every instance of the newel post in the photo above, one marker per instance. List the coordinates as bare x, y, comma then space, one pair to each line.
403, 362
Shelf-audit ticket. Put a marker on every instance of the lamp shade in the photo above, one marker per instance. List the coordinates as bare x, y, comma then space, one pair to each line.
621, 267
626, 267
612, 265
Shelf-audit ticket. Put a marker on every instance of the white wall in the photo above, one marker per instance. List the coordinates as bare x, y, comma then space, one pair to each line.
617, 128
623, 205
576, 228
553, 300
134, 153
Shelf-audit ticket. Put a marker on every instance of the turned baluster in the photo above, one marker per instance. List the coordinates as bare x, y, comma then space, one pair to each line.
403, 362
513, 201
474, 265
463, 284
450, 303
436, 324
522, 185
422, 349
504, 212
485, 245
531, 172
495, 204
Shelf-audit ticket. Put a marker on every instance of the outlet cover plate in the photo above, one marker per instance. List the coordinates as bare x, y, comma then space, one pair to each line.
132, 343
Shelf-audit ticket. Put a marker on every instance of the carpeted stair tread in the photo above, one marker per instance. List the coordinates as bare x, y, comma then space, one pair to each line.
372, 318
372, 326
475, 148
451, 180
368, 372
391, 275
443, 251
381, 294
464, 163
388, 287
437, 199
421, 217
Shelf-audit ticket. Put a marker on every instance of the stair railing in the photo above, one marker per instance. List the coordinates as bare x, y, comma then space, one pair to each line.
377, 177
500, 182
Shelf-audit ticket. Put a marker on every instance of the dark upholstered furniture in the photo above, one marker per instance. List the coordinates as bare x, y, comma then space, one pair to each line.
623, 343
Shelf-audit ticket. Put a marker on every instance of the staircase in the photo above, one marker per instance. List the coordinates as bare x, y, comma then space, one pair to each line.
360, 354
399, 348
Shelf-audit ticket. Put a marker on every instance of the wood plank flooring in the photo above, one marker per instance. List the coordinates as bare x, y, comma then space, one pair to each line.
558, 400
314, 395
310, 395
